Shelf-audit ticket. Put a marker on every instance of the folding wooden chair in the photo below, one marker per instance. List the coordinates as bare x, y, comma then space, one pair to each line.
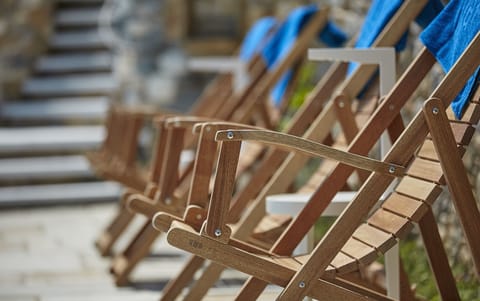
118, 153
351, 243
315, 22
162, 221
117, 157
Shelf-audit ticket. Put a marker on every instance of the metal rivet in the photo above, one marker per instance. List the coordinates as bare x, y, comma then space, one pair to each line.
435, 110
341, 104
218, 232
207, 129
168, 201
230, 135
391, 169
301, 284
198, 217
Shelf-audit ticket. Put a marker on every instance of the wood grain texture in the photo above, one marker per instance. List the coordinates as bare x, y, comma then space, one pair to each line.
456, 175
294, 143
437, 257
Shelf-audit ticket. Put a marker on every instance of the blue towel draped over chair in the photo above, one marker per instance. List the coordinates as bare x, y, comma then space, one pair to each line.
449, 35
286, 36
380, 13
255, 37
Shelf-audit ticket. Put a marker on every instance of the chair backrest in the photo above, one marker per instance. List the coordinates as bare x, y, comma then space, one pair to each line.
281, 53
221, 89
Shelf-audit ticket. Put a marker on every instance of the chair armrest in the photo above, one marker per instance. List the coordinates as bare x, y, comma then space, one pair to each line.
222, 125
305, 146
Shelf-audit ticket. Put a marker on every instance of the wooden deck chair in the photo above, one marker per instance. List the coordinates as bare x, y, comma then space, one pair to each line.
351, 242
301, 121
317, 20
123, 126
118, 153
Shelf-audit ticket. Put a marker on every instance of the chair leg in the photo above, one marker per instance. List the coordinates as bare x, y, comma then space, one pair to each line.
175, 286
251, 289
438, 258
209, 276
124, 263
110, 235
455, 175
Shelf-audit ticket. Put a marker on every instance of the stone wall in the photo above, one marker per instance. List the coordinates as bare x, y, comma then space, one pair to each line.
24, 29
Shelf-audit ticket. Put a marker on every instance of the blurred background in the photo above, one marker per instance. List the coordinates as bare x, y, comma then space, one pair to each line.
63, 63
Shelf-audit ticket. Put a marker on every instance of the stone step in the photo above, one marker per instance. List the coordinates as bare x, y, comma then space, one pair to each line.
49, 139
51, 194
76, 41
55, 110
44, 169
72, 85
78, 3
79, 17
74, 63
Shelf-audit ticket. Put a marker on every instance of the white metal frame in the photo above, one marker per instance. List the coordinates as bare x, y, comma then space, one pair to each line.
384, 57
222, 64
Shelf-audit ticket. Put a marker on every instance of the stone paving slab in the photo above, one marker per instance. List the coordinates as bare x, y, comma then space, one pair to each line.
47, 254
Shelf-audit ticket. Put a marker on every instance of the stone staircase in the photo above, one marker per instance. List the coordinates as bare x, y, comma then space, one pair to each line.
59, 116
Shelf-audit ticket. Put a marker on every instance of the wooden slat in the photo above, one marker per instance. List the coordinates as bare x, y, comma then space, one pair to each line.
363, 253
271, 222
427, 151
289, 262
390, 222
344, 264
471, 114
462, 132
380, 240
405, 206
419, 189
329, 273
427, 170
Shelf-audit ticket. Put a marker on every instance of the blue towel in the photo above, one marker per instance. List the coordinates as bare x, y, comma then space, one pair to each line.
449, 35
255, 37
286, 36
380, 13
